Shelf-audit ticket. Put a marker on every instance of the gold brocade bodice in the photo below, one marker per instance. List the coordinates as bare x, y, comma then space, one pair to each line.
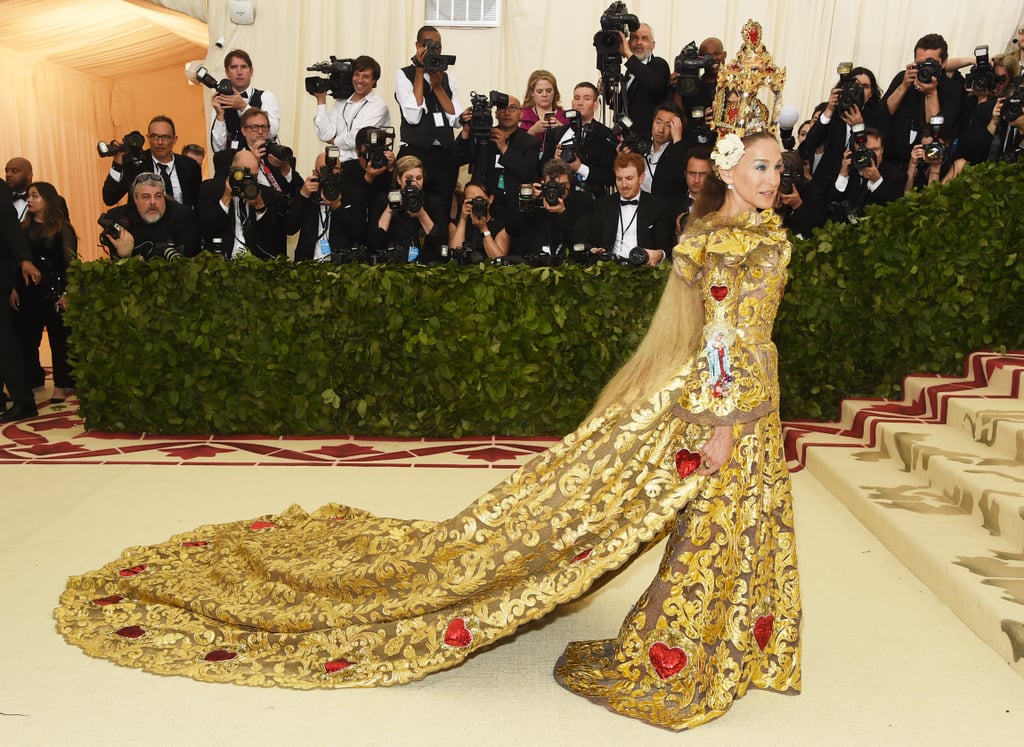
740, 267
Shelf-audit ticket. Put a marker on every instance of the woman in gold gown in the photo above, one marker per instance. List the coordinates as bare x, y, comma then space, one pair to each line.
686, 440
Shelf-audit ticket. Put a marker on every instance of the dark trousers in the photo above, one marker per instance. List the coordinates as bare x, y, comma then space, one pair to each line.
12, 362
37, 313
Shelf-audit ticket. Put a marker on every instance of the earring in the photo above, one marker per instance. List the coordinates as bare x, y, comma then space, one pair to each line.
730, 186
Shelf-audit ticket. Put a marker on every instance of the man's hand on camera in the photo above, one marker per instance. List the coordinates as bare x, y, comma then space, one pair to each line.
852, 116
871, 172
793, 200
123, 244
624, 49
844, 167
833, 102
654, 257
231, 101
280, 164
311, 186
500, 138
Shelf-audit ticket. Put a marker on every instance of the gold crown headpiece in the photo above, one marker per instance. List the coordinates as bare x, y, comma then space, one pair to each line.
749, 94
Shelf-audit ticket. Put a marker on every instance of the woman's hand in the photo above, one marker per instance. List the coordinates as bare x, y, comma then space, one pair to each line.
717, 452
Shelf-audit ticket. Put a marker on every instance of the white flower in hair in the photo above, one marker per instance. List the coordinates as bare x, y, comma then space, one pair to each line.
728, 151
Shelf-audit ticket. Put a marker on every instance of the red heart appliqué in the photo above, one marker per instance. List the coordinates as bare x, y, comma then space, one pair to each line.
132, 631
104, 601
719, 292
194, 543
457, 634
258, 525
220, 655
667, 661
763, 630
686, 462
583, 555
135, 570
336, 665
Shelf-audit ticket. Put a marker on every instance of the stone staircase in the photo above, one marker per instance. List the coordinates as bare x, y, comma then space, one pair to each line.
939, 478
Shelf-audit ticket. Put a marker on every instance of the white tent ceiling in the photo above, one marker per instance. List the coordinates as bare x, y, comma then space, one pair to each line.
109, 39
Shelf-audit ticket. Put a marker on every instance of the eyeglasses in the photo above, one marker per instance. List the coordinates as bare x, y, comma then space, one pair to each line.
160, 138
511, 108
258, 128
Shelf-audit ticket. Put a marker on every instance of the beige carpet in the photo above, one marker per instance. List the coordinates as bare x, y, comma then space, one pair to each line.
885, 661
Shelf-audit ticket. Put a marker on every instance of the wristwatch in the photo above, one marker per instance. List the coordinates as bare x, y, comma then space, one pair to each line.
486, 233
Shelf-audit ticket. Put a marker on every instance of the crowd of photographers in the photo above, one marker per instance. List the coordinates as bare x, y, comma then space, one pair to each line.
546, 185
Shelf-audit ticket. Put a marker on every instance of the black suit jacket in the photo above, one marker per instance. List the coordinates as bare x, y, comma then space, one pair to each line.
267, 239
178, 226
520, 164
347, 226
190, 176
596, 145
894, 179
648, 88
654, 223
13, 245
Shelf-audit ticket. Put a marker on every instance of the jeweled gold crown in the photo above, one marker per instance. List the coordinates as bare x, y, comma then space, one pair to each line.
749, 94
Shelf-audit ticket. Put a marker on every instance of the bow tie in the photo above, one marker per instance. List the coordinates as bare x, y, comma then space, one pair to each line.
20, 196
629, 202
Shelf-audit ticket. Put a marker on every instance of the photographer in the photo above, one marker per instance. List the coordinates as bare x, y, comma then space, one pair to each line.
917, 94
855, 99
226, 130
329, 215
800, 202
429, 104
646, 76
632, 226
372, 171
275, 163
477, 231
975, 136
150, 226
182, 175
411, 223
711, 49
864, 178
557, 217
363, 108
506, 161
238, 215
585, 144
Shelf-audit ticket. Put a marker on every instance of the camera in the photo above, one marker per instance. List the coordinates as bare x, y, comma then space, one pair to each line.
1013, 106
480, 119
691, 66
408, 198
699, 130
379, 140
637, 257
850, 93
278, 151
243, 184
631, 139
981, 78
433, 60
608, 43
223, 86
569, 152
328, 179
110, 226
928, 70
787, 181
935, 151
861, 156
338, 82
478, 207
131, 145
552, 191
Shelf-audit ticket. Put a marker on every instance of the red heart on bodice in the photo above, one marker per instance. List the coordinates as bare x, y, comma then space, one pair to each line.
132, 631
686, 462
336, 665
220, 655
258, 525
135, 570
457, 634
763, 630
719, 292
104, 601
667, 661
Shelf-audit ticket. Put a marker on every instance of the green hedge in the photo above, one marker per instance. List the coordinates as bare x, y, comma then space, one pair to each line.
207, 346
